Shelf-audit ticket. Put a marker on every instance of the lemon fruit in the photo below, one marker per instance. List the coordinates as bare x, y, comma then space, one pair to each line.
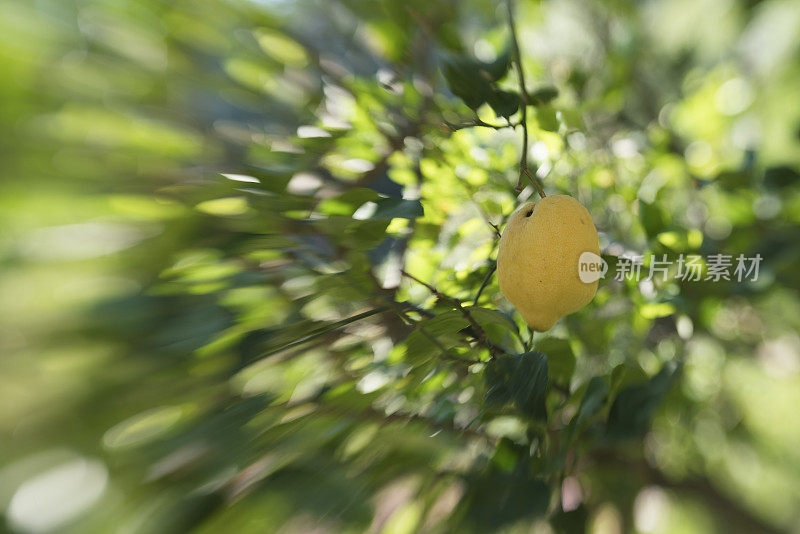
537, 263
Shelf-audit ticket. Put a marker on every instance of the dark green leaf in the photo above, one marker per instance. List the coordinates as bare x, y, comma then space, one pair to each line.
390, 208
652, 217
572, 522
634, 406
504, 103
623, 375
467, 79
542, 96
733, 180
780, 177
593, 399
498, 498
521, 379
592, 402
498, 68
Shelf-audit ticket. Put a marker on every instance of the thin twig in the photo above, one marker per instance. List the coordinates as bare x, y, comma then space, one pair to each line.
523, 163
325, 329
478, 123
429, 287
372, 414
473, 192
485, 282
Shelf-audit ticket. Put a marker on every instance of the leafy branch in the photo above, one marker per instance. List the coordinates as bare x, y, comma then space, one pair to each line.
379, 416
480, 333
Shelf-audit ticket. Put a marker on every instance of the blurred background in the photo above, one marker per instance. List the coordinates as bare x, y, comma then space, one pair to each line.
205, 208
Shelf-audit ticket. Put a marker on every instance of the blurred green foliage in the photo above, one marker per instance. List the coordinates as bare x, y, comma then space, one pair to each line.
206, 207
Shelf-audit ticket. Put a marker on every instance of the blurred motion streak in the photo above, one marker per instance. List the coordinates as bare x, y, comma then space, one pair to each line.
207, 210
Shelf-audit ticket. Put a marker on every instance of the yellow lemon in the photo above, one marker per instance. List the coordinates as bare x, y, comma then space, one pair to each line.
537, 264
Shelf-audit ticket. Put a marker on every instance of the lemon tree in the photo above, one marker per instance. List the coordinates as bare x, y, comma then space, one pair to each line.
313, 266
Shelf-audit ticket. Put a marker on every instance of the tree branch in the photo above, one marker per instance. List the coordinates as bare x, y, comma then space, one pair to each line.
478, 122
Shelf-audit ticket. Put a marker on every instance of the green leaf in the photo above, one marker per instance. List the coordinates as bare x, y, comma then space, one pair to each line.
542, 96
652, 217
488, 317
593, 399
467, 79
365, 234
572, 522
521, 379
473, 81
733, 180
623, 375
348, 202
560, 359
400, 208
592, 402
634, 406
497, 498
504, 103
424, 342
507, 454
780, 177
448, 322
498, 68
499, 327
547, 119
